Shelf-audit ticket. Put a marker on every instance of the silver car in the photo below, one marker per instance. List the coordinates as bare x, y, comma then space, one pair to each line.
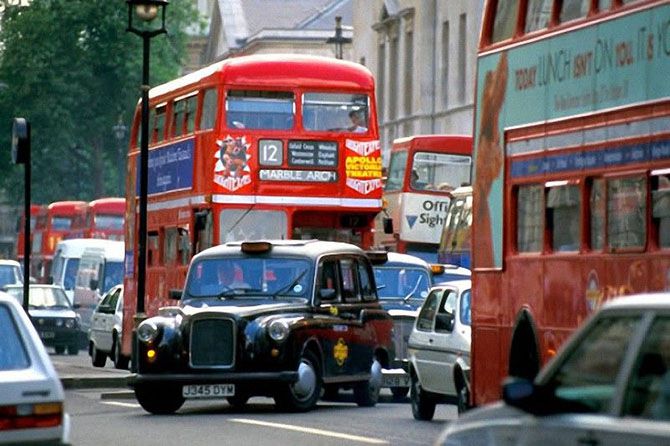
439, 350
31, 394
608, 385
106, 330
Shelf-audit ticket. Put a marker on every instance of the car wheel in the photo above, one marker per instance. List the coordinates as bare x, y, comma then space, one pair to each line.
120, 361
60, 349
159, 400
303, 394
463, 402
366, 393
423, 405
98, 358
73, 349
399, 392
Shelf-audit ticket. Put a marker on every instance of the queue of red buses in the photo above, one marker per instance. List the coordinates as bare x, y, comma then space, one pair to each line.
571, 173
102, 218
422, 172
247, 148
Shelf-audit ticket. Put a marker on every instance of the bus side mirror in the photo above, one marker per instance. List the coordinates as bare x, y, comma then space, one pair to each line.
388, 225
175, 294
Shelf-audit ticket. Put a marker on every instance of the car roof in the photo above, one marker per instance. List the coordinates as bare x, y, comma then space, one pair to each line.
306, 248
643, 301
398, 259
33, 285
9, 262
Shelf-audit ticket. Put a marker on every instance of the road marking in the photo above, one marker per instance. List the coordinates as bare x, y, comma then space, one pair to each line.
117, 403
309, 430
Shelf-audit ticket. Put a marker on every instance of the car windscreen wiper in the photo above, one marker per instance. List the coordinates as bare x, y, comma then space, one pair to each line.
411, 293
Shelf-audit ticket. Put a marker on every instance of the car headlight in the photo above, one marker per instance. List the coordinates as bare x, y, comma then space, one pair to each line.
147, 331
278, 330
59, 322
70, 323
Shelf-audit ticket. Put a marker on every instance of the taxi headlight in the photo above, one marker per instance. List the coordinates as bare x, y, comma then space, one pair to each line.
147, 331
278, 330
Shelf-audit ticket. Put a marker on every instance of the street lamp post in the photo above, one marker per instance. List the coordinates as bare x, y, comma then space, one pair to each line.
339, 40
120, 133
146, 11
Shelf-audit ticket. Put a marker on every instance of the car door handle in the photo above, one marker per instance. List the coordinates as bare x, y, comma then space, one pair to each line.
430, 340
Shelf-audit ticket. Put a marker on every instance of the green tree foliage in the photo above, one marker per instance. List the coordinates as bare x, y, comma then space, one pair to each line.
73, 71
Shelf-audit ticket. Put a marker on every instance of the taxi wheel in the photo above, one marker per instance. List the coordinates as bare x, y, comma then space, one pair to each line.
60, 349
159, 400
98, 358
303, 394
73, 349
423, 405
366, 393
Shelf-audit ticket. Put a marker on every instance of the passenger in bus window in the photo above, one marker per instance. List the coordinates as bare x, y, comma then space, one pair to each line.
358, 124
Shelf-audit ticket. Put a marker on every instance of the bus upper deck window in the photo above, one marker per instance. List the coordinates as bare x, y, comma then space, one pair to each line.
574, 9
270, 110
537, 15
504, 22
338, 112
208, 118
660, 198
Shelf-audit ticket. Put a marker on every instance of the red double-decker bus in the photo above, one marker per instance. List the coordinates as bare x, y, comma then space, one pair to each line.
105, 218
38, 221
422, 172
571, 181
272, 146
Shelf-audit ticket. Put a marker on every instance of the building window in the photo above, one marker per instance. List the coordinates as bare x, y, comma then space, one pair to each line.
462, 55
626, 213
504, 22
537, 15
530, 218
445, 64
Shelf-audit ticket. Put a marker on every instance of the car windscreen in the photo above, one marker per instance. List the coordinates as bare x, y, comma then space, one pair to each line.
275, 276
13, 355
401, 282
9, 274
113, 275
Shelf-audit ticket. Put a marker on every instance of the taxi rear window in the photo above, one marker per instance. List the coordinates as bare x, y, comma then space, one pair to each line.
13, 354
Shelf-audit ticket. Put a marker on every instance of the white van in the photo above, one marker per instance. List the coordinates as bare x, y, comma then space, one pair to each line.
100, 268
66, 261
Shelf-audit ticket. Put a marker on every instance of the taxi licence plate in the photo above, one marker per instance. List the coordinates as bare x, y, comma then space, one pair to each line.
192, 391
47, 334
395, 381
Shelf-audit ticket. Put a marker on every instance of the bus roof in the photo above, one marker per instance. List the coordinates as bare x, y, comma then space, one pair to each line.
67, 206
271, 70
434, 142
109, 203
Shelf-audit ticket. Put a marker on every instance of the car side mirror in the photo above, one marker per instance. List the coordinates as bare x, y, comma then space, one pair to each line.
536, 399
444, 322
175, 294
50, 280
388, 225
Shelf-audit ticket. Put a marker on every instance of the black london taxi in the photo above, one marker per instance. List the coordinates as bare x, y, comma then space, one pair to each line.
279, 318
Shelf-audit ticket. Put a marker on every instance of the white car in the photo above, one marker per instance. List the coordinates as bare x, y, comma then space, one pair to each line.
31, 394
10, 273
608, 385
106, 329
439, 350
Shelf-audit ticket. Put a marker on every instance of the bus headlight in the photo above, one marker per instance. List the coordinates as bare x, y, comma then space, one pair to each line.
278, 330
147, 331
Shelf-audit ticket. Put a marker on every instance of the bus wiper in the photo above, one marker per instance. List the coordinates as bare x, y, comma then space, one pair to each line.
293, 283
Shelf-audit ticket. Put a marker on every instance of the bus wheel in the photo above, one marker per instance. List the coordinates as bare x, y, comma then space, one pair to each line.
303, 394
524, 358
159, 400
366, 393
